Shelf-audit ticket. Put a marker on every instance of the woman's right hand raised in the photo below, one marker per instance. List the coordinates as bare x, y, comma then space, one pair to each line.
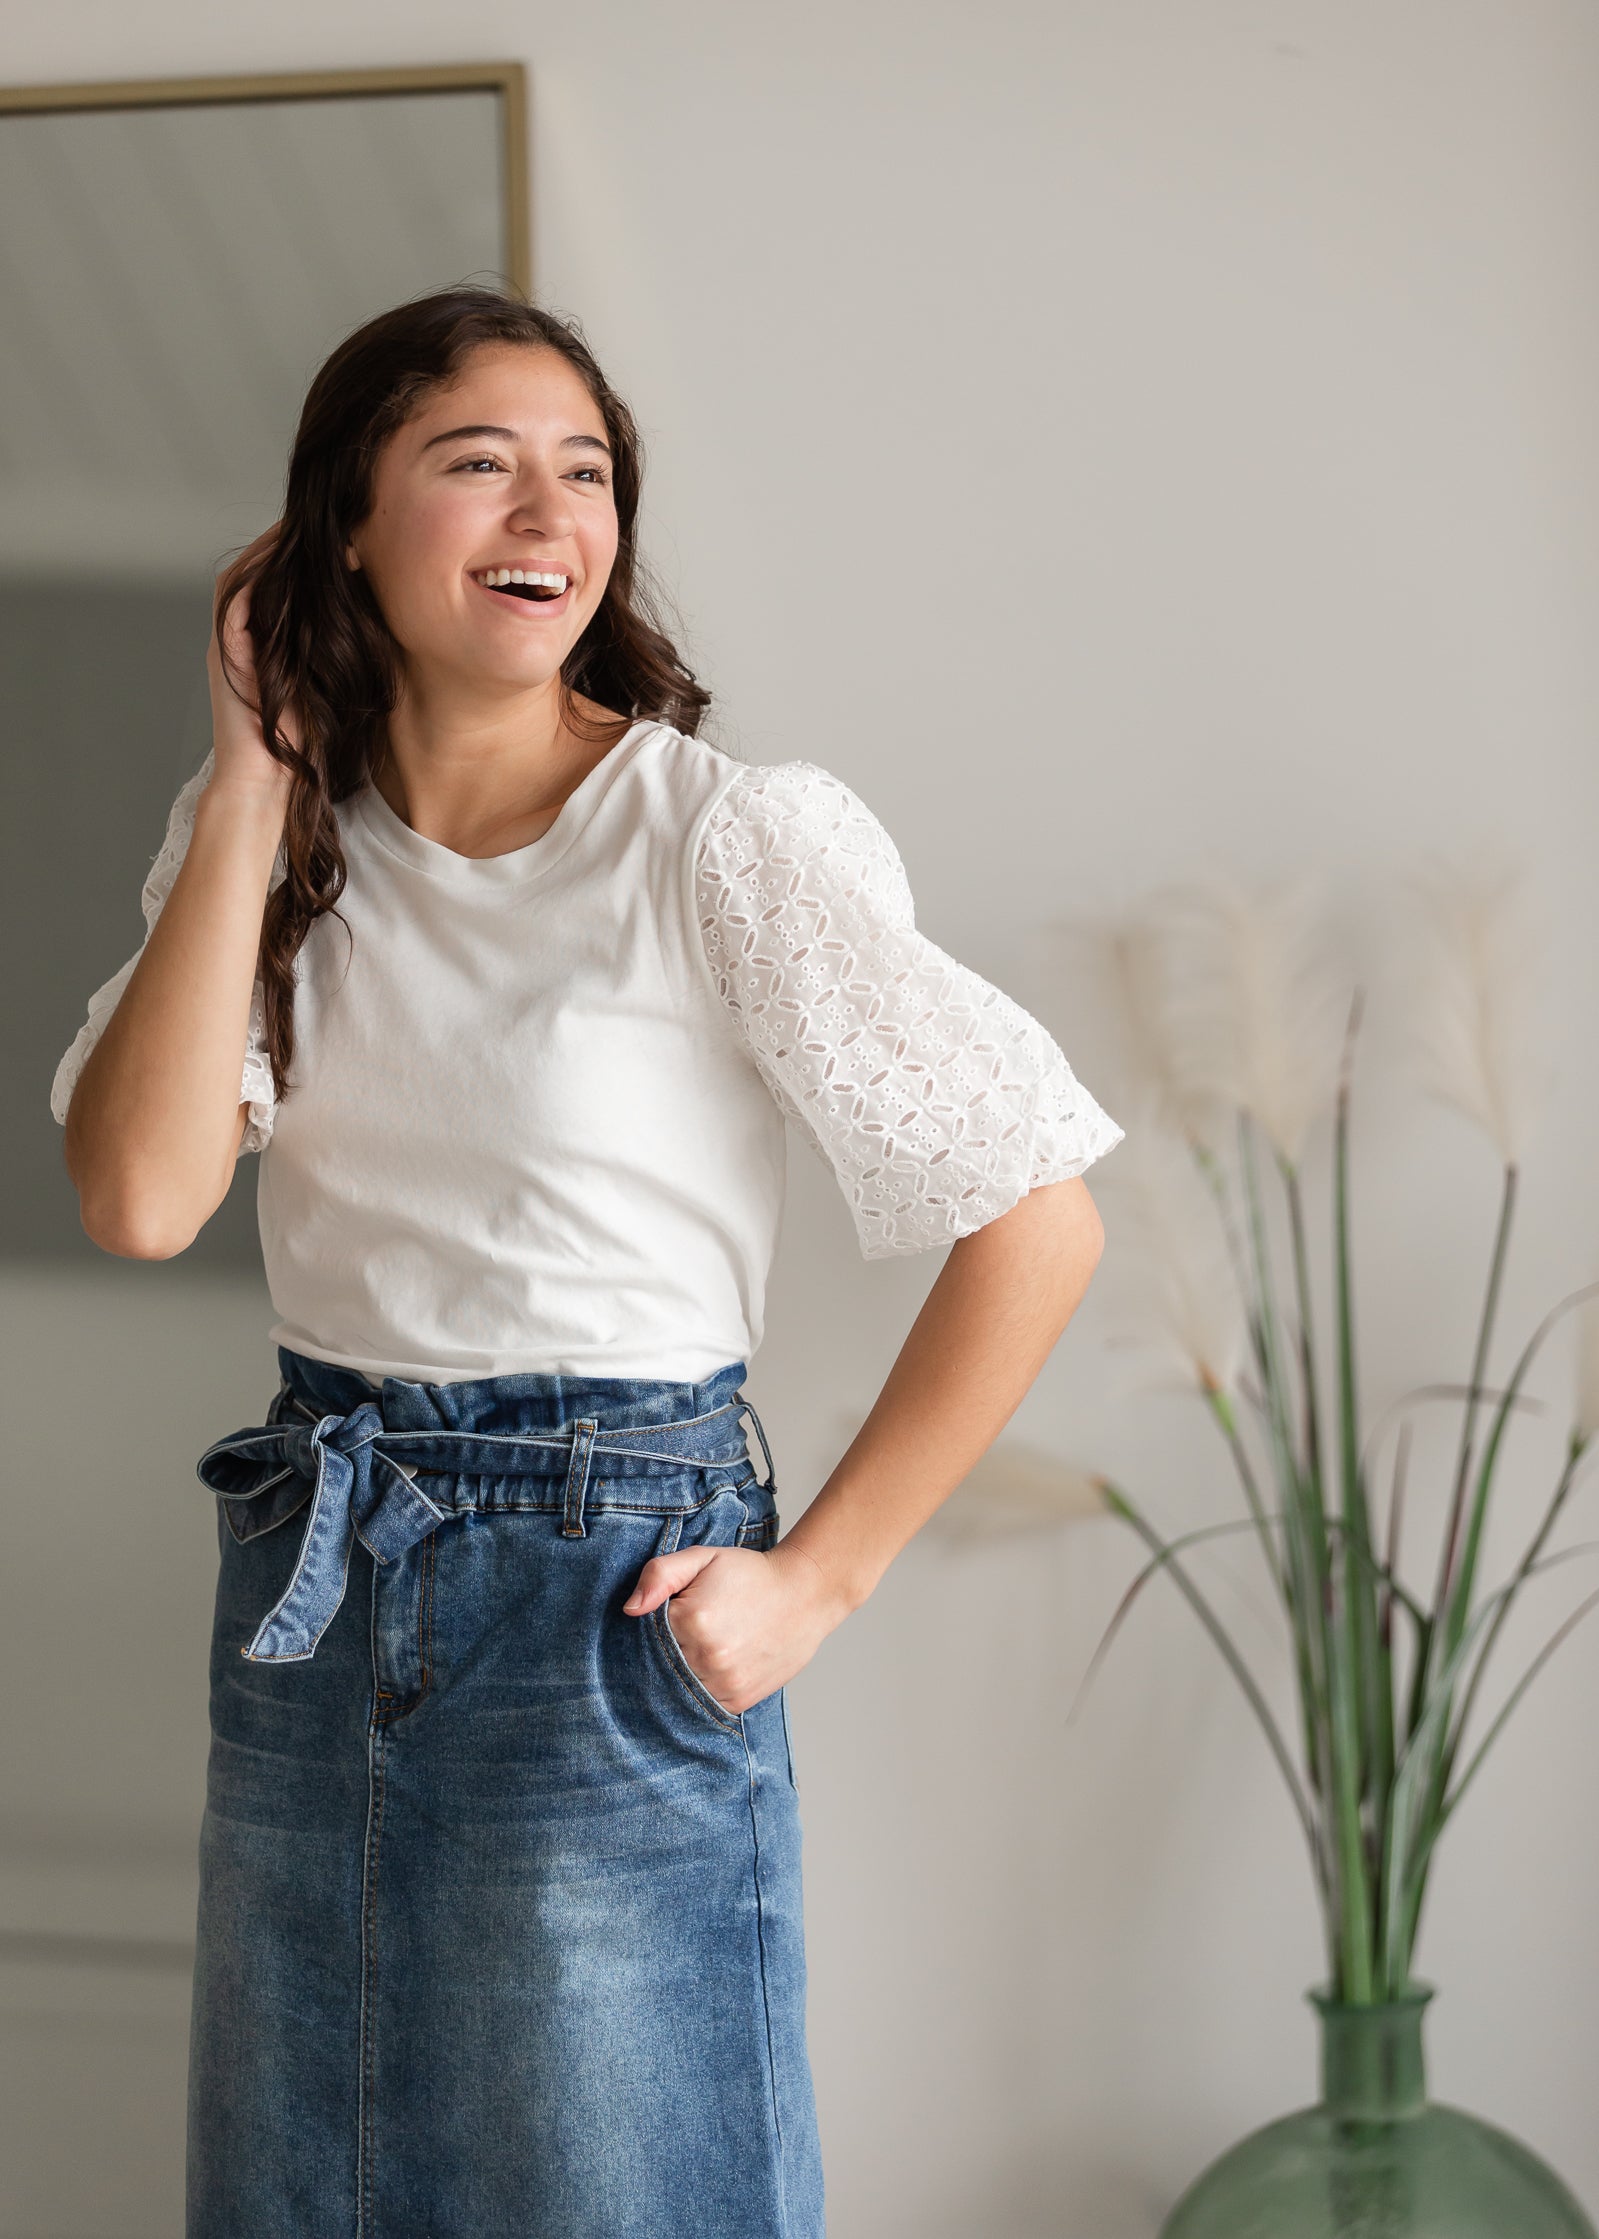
242, 760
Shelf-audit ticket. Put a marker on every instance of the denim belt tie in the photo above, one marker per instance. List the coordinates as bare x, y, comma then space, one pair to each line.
362, 1477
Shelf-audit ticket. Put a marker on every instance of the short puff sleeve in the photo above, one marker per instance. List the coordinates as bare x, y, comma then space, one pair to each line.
255, 1086
937, 1101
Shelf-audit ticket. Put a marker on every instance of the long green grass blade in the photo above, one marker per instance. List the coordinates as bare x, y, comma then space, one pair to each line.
1381, 1572
1365, 1643
1306, 1549
1169, 1550
1465, 1575
1459, 1601
1387, 1669
1445, 1638
1415, 1819
1577, 1448
1402, 1868
1221, 1408
1118, 1502
1344, 1593
1510, 1702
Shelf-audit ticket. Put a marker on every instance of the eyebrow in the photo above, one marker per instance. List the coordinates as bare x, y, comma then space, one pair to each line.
451, 435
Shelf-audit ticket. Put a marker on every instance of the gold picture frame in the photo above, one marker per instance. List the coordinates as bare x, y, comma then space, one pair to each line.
507, 79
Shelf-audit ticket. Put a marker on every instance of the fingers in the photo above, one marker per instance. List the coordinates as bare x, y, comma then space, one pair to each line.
664, 1575
238, 609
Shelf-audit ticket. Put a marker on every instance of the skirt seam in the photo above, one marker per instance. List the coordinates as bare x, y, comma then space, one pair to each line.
766, 2001
366, 2173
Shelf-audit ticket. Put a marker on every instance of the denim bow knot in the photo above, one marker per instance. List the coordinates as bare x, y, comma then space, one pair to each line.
360, 1478
358, 1491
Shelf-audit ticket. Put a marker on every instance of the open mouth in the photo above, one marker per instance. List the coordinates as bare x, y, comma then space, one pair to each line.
549, 592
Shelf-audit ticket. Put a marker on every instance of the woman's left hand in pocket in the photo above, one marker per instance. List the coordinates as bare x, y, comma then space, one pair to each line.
745, 1619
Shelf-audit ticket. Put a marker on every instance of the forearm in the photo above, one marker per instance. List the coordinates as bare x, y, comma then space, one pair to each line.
989, 1323
153, 1125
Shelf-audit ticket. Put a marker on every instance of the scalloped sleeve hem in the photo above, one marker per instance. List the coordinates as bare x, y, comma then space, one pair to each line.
935, 1099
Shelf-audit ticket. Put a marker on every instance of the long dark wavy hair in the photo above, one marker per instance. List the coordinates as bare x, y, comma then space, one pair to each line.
327, 663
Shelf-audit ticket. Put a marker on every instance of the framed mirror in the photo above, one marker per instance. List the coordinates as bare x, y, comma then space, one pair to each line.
177, 257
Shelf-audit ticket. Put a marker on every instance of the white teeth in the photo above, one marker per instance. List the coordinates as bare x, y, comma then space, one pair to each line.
494, 577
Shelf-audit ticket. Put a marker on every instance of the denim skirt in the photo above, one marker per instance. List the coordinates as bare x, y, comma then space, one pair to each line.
499, 1930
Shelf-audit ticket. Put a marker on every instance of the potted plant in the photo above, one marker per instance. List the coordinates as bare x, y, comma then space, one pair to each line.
1239, 1039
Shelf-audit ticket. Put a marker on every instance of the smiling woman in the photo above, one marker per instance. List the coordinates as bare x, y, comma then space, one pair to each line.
488, 566
488, 1825
449, 519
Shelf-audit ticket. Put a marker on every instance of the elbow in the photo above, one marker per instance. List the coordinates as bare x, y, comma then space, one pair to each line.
130, 1221
1057, 1229
1078, 1241
1080, 1231
124, 1207
131, 1231
1093, 1233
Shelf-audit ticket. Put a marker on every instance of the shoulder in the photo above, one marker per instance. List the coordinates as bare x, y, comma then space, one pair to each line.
768, 793
759, 793
673, 778
729, 803
796, 811
792, 841
760, 829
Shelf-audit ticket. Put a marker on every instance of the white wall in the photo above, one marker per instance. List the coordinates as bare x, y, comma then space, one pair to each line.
1242, 359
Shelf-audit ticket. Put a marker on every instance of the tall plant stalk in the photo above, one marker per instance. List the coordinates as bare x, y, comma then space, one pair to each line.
1380, 1772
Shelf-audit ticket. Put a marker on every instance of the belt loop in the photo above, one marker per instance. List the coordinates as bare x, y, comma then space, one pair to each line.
577, 1475
746, 1407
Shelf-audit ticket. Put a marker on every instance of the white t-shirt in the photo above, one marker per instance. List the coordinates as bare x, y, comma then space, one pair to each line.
536, 1114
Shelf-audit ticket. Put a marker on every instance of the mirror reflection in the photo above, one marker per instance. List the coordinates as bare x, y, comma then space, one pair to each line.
174, 274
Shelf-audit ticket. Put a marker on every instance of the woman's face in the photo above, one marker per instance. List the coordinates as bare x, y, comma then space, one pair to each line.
507, 468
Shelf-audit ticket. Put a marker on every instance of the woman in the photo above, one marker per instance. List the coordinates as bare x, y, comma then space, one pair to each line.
499, 1925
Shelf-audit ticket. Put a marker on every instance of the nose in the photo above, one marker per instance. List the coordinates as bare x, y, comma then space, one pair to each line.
540, 504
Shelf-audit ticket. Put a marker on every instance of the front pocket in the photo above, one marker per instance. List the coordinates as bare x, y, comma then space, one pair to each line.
719, 1523
698, 1693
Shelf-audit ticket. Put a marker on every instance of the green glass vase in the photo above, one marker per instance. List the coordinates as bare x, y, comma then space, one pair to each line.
1375, 2160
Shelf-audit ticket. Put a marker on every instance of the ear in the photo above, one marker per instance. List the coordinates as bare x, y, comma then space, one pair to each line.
350, 559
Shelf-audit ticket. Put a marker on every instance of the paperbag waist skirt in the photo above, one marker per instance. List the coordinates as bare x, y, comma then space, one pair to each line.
499, 1930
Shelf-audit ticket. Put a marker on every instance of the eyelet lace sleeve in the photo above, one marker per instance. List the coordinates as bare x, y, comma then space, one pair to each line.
937, 1101
255, 1087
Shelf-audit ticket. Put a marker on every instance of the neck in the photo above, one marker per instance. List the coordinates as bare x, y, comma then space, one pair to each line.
486, 777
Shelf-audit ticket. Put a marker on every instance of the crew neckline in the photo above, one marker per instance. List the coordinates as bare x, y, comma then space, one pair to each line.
517, 865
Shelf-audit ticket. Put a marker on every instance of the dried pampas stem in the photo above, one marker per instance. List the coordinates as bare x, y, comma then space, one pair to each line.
1474, 984
1013, 1489
1257, 1005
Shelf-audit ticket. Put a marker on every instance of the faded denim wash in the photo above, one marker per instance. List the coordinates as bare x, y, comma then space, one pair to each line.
500, 1924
